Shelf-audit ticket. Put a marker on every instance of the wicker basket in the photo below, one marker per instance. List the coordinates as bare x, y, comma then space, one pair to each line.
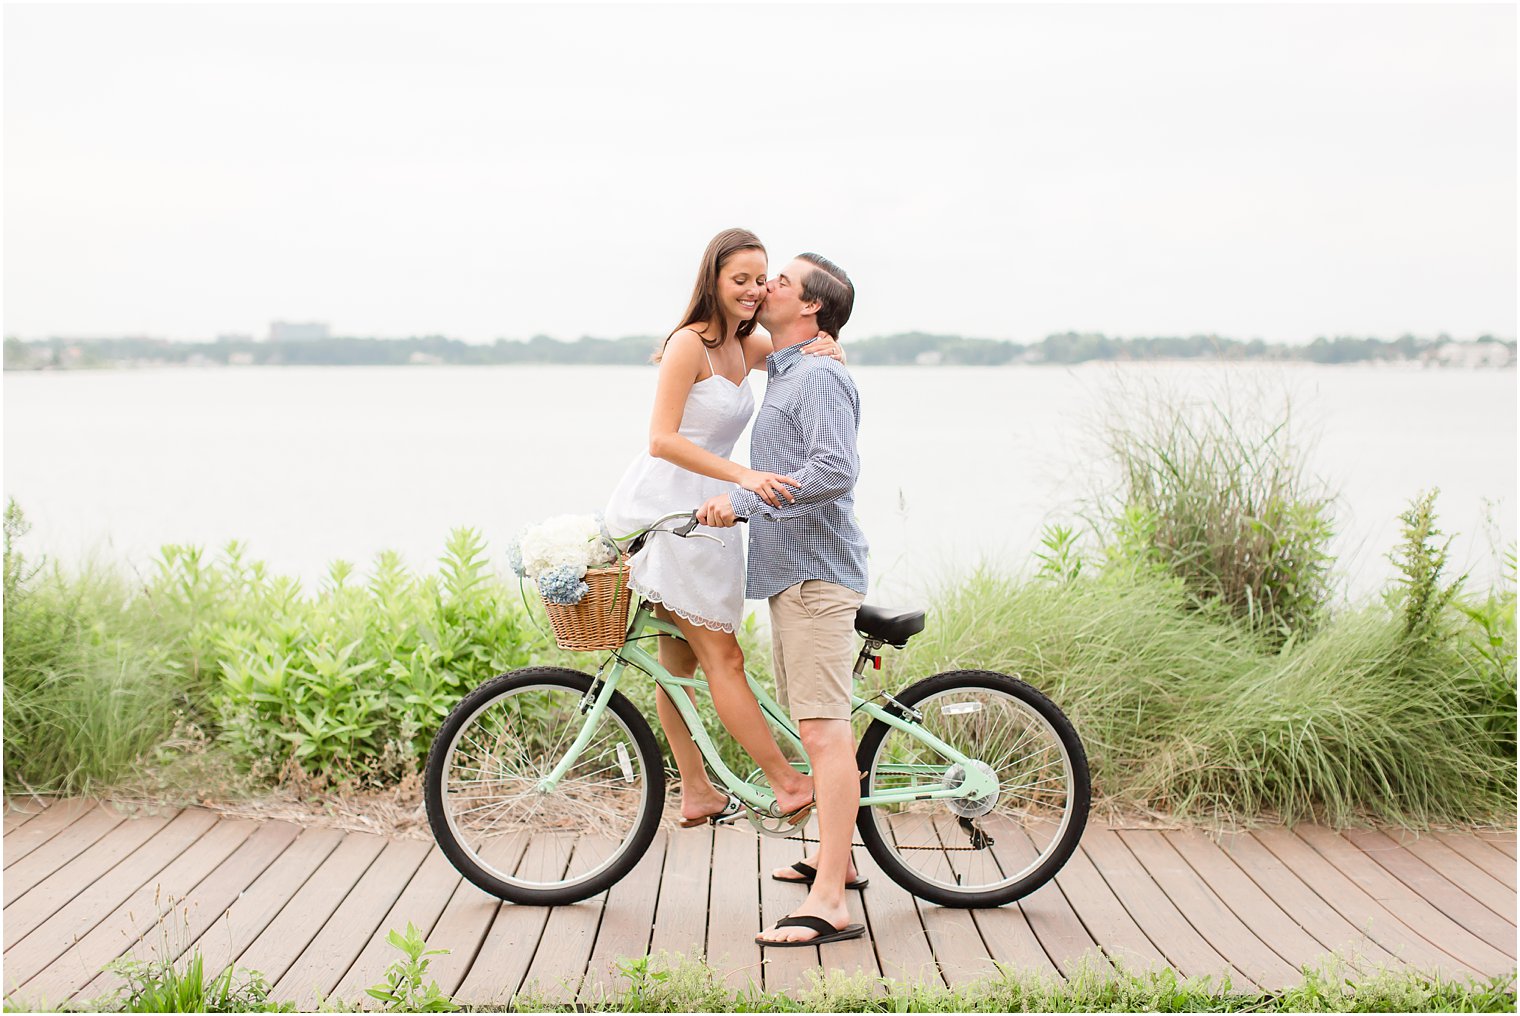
600, 621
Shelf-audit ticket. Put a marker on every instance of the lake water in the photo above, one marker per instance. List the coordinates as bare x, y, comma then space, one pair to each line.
306, 465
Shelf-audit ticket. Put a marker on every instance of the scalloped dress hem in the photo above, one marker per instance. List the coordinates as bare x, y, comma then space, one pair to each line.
710, 625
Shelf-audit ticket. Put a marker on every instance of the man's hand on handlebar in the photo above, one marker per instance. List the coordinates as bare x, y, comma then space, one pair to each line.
718, 511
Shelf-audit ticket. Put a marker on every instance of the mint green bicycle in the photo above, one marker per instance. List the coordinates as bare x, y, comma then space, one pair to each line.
546, 785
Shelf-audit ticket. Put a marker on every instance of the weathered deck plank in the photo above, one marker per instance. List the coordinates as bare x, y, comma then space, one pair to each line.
511, 943
1503, 839
54, 892
463, 925
1312, 912
230, 934
319, 967
139, 915
49, 940
735, 905
902, 944
311, 910
569, 935
44, 828
280, 945
1265, 915
1123, 942
962, 955
21, 810
1415, 911
1005, 931
1163, 922
1433, 887
420, 905
784, 969
1458, 870
1056, 926
680, 918
1213, 919
60, 849
204, 905
1358, 908
627, 921
1486, 852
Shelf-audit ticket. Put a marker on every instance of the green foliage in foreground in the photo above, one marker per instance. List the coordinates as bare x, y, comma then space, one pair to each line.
1402, 710
666, 984
675, 984
1220, 496
90, 688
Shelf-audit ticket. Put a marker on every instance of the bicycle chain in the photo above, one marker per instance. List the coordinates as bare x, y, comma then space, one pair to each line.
808, 839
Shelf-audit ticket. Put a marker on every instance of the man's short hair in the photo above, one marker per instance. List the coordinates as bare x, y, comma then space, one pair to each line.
831, 287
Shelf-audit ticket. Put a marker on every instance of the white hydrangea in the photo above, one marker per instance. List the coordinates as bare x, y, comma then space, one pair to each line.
566, 545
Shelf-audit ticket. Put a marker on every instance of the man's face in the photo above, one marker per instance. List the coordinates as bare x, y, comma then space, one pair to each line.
783, 297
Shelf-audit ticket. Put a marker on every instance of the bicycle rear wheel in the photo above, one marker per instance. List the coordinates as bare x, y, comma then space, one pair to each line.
981, 852
521, 844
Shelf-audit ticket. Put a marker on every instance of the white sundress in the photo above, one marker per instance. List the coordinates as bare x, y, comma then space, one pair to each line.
696, 579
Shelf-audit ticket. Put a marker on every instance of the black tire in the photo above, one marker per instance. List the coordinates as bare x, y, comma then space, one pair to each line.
1036, 839
512, 845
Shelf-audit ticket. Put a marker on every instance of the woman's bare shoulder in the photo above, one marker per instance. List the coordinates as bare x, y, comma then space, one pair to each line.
684, 350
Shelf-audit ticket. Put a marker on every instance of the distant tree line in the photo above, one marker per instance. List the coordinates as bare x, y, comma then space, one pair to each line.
905, 348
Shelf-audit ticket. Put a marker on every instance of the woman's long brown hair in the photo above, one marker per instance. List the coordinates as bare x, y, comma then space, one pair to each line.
704, 306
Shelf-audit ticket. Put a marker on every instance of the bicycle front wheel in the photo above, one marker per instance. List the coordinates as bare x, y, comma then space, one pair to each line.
491, 814
976, 852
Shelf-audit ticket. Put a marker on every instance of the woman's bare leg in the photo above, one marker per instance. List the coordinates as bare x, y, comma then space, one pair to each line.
722, 661
698, 796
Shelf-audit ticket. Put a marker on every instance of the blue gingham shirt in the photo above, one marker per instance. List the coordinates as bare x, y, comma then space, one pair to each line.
805, 429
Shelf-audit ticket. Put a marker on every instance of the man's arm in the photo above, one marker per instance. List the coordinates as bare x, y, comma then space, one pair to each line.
827, 416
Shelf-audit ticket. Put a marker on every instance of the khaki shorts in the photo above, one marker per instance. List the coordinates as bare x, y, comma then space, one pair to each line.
813, 647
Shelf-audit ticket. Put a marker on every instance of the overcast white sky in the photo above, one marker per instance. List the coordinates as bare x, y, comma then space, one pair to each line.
1006, 172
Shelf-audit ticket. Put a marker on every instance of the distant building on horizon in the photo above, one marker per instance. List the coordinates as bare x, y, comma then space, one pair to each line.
298, 331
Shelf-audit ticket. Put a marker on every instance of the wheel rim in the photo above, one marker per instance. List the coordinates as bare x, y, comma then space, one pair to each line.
1027, 819
525, 838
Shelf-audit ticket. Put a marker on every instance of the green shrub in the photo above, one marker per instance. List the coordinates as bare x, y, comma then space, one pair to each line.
1202, 714
354, 679
161, 986
1219, 495
89, 687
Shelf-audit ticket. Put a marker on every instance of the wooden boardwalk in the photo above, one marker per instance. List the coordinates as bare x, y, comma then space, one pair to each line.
85, 883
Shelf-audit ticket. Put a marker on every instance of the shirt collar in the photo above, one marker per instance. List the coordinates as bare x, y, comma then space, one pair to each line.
781, 361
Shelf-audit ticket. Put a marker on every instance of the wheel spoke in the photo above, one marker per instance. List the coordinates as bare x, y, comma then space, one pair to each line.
488, 779
1011, 740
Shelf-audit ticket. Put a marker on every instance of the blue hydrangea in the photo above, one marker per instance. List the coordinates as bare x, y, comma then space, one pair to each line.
515, 558
562, 585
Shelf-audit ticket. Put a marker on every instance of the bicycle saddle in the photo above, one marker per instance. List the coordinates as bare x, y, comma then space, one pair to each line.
892, 626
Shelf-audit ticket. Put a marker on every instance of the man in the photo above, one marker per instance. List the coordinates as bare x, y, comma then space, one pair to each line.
808, 558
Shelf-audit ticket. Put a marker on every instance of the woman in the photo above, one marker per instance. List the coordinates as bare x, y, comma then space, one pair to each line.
702, 404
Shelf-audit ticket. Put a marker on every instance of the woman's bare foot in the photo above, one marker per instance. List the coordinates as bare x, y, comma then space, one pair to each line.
795, 796
700, 801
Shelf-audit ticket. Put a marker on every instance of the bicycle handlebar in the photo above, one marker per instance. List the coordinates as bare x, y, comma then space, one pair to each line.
684, 530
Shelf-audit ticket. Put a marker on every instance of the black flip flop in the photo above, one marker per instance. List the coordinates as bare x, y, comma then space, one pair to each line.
826, 932
809, 873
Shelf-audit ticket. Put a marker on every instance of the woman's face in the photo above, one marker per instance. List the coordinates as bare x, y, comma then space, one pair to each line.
741, 284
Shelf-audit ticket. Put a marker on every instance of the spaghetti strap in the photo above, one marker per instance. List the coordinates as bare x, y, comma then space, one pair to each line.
708, 353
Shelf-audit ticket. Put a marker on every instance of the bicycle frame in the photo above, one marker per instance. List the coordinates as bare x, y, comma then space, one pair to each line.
975, 784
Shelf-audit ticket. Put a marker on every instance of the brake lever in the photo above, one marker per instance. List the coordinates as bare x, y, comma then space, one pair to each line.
705, 536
